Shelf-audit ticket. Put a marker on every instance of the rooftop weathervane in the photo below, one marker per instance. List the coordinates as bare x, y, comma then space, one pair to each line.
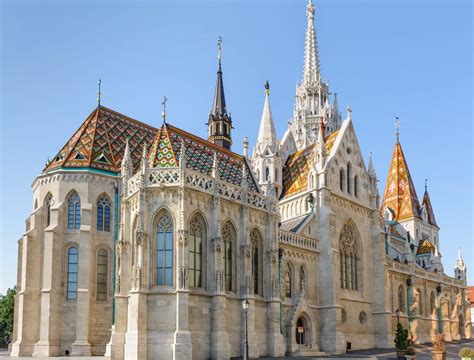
219, 49
99, 93
163, 114
397, 128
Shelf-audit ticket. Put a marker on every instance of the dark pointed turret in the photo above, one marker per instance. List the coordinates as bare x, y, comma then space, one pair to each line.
220, 122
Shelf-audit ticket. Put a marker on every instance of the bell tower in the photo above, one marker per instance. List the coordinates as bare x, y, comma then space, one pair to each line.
220, 122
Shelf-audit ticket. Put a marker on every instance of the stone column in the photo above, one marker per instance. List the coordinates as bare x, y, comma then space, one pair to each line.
49, 342
182, 347
382, 312
332, 340
27, 297
136, 335
81, 346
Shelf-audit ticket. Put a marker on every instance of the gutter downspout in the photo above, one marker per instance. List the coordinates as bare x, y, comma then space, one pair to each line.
115, 250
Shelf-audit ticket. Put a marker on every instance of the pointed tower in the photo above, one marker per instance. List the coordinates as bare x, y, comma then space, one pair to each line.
427, 210
220, 122
460, 270
312, 94
266, 161
374, 192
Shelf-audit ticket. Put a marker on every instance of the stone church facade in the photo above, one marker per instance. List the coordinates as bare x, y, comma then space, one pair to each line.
143, 243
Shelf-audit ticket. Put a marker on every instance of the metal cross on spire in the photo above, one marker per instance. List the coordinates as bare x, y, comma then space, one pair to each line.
99, 94
426, 185
163, 114
397, 128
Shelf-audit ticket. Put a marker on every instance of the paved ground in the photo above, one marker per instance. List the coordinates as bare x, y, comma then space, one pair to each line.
422, 352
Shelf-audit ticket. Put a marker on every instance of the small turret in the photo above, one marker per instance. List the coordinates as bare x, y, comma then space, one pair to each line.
245, 146
127, 165
460, 270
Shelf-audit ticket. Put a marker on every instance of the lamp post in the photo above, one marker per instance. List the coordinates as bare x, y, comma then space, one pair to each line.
438, 310
397, 312
245, 306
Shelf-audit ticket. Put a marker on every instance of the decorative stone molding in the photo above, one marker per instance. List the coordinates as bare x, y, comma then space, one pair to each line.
182, 237
183, 277
216, 244
246, 250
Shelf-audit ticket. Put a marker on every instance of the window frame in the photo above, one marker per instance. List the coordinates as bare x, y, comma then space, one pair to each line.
165, 226
73, 211
70, 271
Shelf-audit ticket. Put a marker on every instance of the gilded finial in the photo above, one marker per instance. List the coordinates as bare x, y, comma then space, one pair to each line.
397, 128
99, 93
163, 114
267, 88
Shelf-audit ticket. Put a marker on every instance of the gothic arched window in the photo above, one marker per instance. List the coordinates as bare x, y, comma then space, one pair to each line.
48, 203
228, 237
74, 211
356, 186
72, 270
102, 272
103, 213
349, 257
349, 180
432, 303
267, 173
288, 281
164, 250
256, 240
196, 241
419, 297
401, 298
342, 179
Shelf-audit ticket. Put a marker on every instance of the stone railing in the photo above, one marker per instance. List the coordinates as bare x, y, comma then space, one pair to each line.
133, 184
157, 177
162, 177
300, 241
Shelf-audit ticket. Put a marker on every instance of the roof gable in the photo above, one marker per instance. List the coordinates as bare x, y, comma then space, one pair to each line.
429, 209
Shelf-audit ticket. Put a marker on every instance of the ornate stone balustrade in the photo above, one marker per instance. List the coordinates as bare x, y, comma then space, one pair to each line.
156, 177
300, 241
162, 177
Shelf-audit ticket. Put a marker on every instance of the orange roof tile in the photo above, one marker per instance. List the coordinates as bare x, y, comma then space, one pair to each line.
400, 194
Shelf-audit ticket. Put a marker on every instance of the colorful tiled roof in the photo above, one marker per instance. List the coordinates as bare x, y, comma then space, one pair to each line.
400, 194
425, 247
199, 156
296, 169
429, 209
99, 143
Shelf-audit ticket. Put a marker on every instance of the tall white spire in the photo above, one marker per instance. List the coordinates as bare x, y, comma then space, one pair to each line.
460, 261
267, 134
311, 59
312, 94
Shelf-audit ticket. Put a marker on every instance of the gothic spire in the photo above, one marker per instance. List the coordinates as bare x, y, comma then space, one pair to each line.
220, 122
428, 207
311, 58
267, 134
400, 195
460, 261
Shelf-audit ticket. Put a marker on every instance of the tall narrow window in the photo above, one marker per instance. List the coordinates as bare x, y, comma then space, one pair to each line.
267, 173
342, 179
349, 180
420, 301
196, 239
349, 257
228, 237
288, 282
103, 213
164, 250
356, 186
432, 303
256, 240
102, 265
48, 204
401, 298
72, 263
74, 211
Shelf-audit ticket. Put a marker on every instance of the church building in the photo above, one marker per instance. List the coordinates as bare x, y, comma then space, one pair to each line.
155, 243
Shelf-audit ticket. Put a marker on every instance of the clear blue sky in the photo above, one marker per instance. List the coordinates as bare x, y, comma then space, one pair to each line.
401, 58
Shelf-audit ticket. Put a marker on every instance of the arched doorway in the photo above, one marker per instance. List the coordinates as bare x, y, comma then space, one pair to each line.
461, 326
303, 332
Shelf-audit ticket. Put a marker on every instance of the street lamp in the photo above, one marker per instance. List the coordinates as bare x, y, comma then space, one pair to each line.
245, 306
397, 312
